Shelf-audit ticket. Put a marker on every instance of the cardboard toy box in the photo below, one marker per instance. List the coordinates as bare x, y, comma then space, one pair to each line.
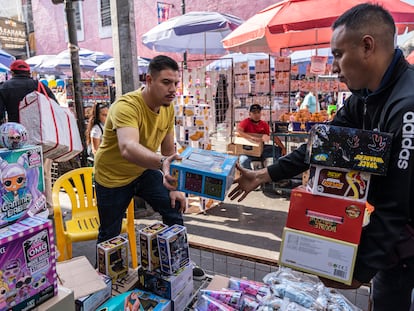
204, 172
64, 300
149, 256
337, 182
92, 301
27, 263
349, 148
113, 257
184, 298
22, 186
167, 286
319, 255
247, 147
337, 218
173, 249
126, 283
128, 301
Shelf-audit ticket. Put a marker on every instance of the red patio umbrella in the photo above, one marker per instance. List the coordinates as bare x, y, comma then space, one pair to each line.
300, 24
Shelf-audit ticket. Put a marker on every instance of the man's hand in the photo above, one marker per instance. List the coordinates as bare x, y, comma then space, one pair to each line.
170, 182
334, 284
247, 182
180, 197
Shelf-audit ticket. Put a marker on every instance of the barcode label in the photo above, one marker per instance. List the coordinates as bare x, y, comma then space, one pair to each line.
292, 242
339, 273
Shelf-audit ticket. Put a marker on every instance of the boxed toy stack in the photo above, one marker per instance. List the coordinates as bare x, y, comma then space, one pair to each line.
326, 216
165, 265
27, 252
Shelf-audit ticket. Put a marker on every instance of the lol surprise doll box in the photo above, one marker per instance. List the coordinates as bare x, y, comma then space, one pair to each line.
21, 183
27, 264
339, 183
204, 172
349, 148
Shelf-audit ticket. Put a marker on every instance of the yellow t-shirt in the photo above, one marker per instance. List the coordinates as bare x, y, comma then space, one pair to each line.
130, 110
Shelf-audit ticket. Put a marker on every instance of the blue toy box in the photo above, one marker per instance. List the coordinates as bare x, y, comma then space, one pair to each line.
173, 249
204, 173
129, 300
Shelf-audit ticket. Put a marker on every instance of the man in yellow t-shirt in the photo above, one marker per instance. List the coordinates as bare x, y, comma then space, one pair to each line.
127, 163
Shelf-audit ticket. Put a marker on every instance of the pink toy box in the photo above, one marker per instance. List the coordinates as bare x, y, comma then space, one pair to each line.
21, 184
27, 264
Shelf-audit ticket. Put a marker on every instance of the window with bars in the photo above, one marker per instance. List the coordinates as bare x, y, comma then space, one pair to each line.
77, 5
104, 8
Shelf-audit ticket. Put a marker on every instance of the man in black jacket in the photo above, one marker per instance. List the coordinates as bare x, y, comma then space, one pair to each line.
382, 83
11, 93
14, 90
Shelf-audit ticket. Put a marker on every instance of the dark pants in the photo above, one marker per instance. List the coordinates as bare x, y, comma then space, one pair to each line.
392, 288
113, 203
246, 160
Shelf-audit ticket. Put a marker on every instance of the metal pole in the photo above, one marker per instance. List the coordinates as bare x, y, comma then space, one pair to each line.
185, 53
76, 76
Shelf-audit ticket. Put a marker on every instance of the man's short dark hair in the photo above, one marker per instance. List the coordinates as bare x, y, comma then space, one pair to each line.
365, 15
162, 62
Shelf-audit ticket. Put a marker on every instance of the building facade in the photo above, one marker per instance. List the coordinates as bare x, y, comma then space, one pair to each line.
94, 21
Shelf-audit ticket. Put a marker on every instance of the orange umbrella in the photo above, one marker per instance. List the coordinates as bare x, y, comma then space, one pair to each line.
301, 24
410, 58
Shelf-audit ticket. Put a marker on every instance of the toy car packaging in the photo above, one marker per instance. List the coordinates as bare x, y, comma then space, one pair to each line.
336, 218
340, 183
204, 172
349, 148
27, 264
21, 184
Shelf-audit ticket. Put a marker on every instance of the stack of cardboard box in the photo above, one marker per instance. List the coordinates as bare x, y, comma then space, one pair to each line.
326, 216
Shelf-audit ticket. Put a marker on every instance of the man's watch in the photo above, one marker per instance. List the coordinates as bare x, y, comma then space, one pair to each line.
162, 161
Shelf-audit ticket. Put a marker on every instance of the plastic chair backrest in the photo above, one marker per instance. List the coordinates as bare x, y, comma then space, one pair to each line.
84, 224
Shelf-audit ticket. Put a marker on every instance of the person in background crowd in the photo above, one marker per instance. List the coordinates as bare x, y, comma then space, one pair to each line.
127, 163
381, 80
309, 102
11, 93
298, 100
94, 130
257, 130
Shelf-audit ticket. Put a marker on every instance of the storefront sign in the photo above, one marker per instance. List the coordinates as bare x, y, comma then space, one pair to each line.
12, 35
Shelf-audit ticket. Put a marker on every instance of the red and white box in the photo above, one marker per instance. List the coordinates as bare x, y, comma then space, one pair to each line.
336, 218
338, 182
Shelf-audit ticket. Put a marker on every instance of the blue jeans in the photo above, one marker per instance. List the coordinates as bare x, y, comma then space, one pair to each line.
246, 160
392, 288
113, 203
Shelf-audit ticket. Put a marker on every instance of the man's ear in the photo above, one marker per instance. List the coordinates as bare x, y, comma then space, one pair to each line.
368, 43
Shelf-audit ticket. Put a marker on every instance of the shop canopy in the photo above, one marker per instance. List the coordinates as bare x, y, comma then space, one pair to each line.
302, 24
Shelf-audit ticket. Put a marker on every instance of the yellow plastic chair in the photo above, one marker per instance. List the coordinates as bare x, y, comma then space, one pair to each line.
84, 224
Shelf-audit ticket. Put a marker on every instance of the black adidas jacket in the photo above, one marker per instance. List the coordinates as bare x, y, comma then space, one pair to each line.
389, 109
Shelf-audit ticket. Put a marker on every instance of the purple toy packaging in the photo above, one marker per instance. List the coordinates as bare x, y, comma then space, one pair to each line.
21, 184
27, 264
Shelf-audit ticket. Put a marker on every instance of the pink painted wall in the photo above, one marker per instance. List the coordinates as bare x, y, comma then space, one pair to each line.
49, 21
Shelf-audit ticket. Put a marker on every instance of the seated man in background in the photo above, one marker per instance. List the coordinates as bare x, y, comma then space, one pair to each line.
258, 131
